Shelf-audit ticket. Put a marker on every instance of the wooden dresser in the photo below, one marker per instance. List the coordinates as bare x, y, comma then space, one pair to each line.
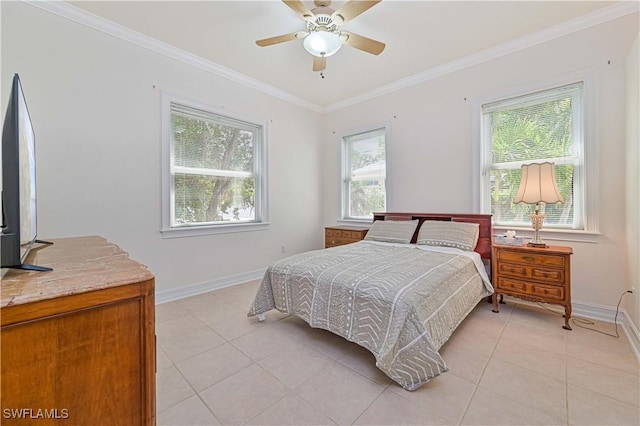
535, 274
78, 343
341, 235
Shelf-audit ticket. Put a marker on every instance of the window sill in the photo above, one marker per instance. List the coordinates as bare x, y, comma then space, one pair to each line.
355, 222
194, 231
552, 234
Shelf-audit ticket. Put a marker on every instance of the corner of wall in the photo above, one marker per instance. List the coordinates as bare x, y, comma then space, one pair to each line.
632, 81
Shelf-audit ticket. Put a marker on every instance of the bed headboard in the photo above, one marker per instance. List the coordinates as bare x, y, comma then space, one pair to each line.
484, 220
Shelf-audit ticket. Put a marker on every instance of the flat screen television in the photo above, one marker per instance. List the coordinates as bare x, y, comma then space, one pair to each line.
19, 215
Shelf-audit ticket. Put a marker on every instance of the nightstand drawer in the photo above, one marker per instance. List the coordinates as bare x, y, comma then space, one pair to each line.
349, 234
554, 276
547, 291
548, 275
531, 289
338, 236
332, 242
332, 232
530, 258
512, 270
511, 285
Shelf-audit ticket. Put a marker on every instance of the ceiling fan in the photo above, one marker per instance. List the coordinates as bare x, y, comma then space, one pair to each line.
322, 36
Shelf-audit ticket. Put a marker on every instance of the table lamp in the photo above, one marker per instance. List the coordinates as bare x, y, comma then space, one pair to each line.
538, 185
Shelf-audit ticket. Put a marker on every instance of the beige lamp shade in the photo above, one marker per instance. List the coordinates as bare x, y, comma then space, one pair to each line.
538, 185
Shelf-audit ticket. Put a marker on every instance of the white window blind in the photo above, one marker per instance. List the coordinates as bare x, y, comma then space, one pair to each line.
216, 169
533, 128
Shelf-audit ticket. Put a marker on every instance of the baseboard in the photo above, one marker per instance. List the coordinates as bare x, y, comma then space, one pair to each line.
608, 314
204, 287
633, 334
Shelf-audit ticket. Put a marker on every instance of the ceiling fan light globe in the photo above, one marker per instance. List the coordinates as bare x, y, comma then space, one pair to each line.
322, 43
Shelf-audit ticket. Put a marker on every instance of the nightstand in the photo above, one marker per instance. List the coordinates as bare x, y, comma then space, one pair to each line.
533, 273
341, 235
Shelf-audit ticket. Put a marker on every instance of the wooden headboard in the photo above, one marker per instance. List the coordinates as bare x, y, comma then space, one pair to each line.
484, 220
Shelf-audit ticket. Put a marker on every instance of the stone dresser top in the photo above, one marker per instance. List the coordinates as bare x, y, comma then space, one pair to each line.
79, 265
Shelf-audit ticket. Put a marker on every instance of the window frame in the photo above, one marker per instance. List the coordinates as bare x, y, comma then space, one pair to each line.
345, 172
261, 206
588, 168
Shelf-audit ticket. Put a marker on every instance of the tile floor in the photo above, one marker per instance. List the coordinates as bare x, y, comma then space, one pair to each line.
518, 367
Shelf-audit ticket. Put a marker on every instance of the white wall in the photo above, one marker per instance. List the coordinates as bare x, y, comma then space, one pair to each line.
95, 102
431, 161
633, 180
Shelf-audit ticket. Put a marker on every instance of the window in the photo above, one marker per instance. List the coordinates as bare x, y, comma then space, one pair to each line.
537, 127
215, 176
364, 174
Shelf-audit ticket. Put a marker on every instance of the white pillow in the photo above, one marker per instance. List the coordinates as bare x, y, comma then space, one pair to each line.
392, 231
460, 235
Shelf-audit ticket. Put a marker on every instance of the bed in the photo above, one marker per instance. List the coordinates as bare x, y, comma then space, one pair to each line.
400, 293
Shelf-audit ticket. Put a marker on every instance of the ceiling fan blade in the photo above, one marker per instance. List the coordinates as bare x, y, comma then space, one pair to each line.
319, 63
352, 9
363, 43
302, 10
280, 39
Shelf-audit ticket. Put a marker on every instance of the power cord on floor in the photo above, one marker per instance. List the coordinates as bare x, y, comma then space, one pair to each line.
578, 321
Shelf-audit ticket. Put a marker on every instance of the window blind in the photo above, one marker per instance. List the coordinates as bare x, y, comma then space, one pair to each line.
537, 127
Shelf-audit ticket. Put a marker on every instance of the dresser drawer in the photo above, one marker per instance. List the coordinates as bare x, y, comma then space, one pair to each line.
550, 275
338, 236
350, 235
332, 232
534, 290
332, 242
547, 291
511, 285
513, 270
530, 258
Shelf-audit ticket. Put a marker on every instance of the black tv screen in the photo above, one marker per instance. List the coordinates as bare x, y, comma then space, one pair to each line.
19, 215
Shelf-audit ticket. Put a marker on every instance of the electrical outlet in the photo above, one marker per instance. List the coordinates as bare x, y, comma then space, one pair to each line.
283, 249
633, 289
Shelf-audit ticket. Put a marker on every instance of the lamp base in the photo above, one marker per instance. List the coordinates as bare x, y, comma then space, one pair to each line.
537, 219
534, 244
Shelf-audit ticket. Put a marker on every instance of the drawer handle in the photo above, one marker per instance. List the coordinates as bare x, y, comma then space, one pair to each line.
519, 270
529, 258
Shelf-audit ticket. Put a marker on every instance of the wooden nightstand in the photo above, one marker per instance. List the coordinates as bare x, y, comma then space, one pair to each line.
341, 235
534, 274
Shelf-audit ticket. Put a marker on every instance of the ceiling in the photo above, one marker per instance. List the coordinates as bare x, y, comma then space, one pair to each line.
420, 36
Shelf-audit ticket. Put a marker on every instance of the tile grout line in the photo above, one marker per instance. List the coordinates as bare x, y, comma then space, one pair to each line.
477, 385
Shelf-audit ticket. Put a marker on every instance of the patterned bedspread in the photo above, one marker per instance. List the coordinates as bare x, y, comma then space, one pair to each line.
400, 302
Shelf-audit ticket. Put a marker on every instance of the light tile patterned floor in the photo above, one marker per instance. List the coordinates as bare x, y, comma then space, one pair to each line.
518, 367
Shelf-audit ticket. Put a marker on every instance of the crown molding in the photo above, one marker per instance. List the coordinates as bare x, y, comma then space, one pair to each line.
75, 14
597, 17
66, 10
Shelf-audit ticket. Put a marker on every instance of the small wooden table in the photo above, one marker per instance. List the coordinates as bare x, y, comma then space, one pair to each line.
535, 274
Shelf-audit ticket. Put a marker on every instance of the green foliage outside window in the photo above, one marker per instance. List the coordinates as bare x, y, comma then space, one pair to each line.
532, 133
366, 158
213, 171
